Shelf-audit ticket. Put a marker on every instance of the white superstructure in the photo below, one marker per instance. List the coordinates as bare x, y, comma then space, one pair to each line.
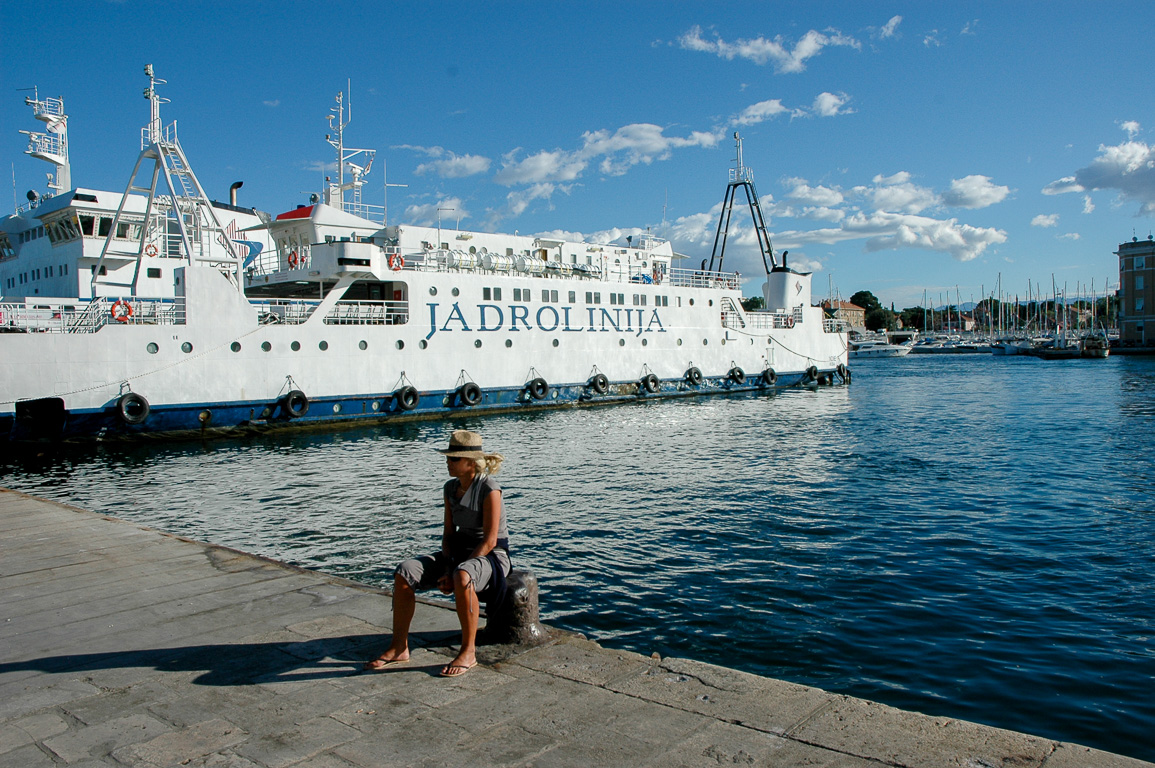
344, 319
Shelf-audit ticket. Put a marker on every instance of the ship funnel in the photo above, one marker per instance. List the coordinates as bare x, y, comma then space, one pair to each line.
233, 192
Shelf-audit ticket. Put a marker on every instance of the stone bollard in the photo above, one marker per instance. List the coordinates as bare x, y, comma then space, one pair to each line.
517, 620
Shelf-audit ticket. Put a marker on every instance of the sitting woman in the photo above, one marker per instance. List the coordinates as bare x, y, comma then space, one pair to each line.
474, 554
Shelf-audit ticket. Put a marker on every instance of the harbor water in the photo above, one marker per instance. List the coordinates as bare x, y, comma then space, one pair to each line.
967, 536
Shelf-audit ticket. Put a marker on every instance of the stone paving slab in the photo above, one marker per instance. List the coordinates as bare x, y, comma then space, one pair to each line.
124, 646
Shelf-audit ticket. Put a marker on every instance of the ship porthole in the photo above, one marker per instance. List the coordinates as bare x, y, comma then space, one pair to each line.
323, 346
433, 290
266, 346
691, 302
186, 347
376, 406
477, 343
336, 407
400, 344
556, 342
705, 342
679, 342
508, 343
235, 346
621, 342
152, 348
362, 345
645, 342
423, 343
711, 302
295, 346
456, 291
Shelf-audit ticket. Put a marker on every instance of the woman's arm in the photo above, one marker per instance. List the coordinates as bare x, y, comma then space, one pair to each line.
447, 531
491, 522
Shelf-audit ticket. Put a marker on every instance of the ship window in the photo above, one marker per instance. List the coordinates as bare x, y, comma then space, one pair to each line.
456, 291
235, 346
362, 345
186, 347
636, 300
87, 225
152, 348
105, 226
153, 272
613, 299
573, 297
486, 294
643, 299
497, 294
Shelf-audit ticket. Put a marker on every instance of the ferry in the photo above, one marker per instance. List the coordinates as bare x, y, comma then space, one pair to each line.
321, 315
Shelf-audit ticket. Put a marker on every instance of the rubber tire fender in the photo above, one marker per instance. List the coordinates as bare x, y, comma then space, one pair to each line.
537, 388
133, 408
811, 373
842, 371
651, 383
769, 377
295, 404
599, 384
694, 376
469, 393
736, 375
406, 397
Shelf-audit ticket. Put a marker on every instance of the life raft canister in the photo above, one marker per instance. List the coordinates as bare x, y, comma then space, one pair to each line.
693, 375
396, 262
406, 397
295, 404
599, 384
737, 375
133, 408
537, 388
469, 393
121, 310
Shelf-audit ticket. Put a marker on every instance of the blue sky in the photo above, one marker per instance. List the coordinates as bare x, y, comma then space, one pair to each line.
897, 147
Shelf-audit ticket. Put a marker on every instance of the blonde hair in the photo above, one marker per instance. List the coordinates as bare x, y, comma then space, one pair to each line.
490, 464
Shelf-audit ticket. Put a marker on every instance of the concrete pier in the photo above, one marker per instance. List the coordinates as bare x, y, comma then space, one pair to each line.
125, 646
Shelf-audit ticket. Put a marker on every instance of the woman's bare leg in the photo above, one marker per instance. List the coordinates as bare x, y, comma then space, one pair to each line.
467, 608
404, 605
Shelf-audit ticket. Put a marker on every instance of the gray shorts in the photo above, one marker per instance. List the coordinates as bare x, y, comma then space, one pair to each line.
423, 572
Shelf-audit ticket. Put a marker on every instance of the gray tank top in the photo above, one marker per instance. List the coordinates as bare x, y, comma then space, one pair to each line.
467, 513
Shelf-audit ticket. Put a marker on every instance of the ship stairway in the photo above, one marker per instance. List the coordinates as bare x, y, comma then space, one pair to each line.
741, 177
186, 220
732, 316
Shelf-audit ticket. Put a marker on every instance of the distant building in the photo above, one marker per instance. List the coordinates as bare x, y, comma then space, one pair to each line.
1137, 292
853, 315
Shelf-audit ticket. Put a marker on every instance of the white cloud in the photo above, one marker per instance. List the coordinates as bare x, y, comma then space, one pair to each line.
970, 27
1062, 186
272, 103
801, 191
637, 143
1088, 205
974, 192
1128, 168
1130, 126
540, 167
831, 104
930, 39
897, 194
451, 211
823, 213
761, 51
890, 29
760, 112
1071, 236
1045, 220
892, 231
453, 166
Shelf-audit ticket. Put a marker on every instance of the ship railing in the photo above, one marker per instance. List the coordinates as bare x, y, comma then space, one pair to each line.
89, 316
368, 313
835, 325
763, 320
285, 311
701, 278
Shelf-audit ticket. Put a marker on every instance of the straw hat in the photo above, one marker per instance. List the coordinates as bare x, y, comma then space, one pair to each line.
464, 444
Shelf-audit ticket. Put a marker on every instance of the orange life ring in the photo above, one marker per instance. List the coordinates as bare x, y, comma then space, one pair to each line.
396, 262
790, 321
293, 260
150, 250
121, 310
657, 276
